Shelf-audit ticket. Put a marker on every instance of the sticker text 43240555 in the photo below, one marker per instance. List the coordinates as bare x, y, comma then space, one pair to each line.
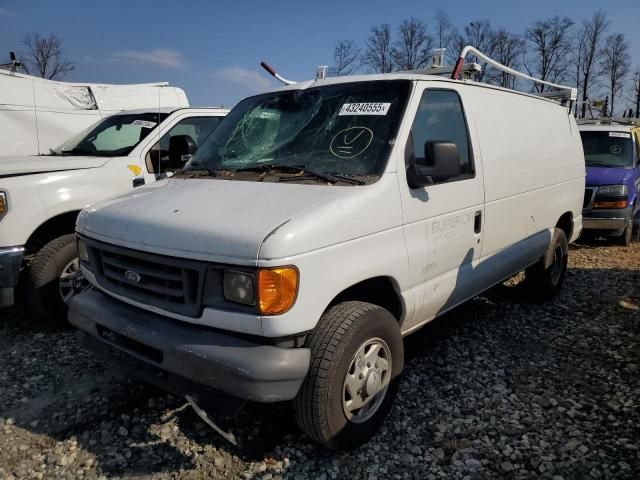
364, 108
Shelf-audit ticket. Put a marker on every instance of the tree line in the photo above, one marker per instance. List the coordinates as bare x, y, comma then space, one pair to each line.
586, 55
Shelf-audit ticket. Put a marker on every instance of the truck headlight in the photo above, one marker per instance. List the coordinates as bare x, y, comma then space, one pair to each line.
4, 204
83, 253
239, 287
611, 196
613, 190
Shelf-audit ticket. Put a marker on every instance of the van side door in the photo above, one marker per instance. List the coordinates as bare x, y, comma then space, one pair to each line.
443, 222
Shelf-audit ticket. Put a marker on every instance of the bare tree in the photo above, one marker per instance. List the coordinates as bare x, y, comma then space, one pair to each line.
377, 53
508, 48
550, 46
445, 33
480, 35
616, 64
634, 97
594, 30
412, 50
44, 56
345, 58
578, 53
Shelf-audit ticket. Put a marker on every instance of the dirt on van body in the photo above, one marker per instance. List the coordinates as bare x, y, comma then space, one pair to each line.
503, 387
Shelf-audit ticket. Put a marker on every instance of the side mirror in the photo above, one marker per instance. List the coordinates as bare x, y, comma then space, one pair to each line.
181, 149
442, 162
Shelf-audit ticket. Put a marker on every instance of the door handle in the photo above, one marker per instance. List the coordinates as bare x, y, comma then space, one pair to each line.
138, 182
477, 222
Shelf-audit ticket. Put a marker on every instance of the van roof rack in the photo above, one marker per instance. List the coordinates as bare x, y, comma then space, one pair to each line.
632, 122
562, 94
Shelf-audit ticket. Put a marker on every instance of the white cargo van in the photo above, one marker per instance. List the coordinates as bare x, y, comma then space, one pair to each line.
318, 225
40, 196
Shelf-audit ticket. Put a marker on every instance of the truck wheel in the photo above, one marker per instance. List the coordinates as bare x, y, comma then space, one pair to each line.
546, 277
50, 280
626, 237
357, 356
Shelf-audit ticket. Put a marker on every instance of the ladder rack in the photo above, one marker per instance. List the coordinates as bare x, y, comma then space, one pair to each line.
563, 92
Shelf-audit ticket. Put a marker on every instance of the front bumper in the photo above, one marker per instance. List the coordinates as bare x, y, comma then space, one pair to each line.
236, 366
605, 219
10, 265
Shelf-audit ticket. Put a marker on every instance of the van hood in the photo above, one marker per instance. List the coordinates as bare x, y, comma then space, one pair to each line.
597, 176
207, 219
12, 166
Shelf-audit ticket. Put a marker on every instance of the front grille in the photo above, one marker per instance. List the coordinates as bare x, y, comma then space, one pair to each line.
588, 196
168, 283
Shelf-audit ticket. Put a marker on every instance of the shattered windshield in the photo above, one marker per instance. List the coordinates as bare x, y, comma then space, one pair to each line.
607, 149
330, 133
114, 136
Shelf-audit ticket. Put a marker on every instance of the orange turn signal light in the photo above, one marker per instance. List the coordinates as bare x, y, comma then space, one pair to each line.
277, 289
618, 204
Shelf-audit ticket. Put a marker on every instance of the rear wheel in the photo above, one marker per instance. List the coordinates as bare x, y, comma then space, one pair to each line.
356, 359
545, 278
52, 280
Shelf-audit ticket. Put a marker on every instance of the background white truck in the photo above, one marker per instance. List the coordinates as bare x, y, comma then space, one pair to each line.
37, 115
40, 196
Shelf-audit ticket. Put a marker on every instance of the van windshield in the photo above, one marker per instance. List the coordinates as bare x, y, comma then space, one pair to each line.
607, 149
333, 132
113, 136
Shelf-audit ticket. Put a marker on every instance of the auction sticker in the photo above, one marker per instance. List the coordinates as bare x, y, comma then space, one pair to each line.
143, 124
364, 109
620, 134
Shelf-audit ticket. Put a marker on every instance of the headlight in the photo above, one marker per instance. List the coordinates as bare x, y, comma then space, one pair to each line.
82, 250
611, 196
277, 289
239, 287
613, 190
4, 204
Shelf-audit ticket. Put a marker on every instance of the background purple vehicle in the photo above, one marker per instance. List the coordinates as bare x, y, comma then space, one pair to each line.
611, 200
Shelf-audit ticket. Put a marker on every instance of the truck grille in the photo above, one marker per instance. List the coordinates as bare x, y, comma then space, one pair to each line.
588, 196
168, 283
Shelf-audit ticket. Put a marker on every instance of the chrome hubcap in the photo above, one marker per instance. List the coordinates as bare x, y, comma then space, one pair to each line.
367, 380
71, 281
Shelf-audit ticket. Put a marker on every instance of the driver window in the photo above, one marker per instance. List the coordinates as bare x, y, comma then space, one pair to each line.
194, 129
440, 117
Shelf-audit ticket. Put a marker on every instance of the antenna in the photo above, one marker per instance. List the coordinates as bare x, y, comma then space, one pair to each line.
275, 74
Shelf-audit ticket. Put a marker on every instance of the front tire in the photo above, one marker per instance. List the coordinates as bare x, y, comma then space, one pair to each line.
357, 356
545, 278
627, 236
49, 282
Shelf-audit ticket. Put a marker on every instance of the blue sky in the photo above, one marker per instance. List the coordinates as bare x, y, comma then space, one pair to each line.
212, 49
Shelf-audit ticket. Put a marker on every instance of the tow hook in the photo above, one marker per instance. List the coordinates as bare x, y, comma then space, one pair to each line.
230, 437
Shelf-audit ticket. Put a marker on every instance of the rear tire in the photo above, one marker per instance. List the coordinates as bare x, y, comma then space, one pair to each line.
43, 289
357, 356
545, 278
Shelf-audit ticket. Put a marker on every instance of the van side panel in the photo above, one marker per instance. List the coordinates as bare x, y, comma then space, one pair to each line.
533, 173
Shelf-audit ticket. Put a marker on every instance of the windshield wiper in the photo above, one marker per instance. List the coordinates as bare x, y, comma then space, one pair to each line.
303, 170
77, 151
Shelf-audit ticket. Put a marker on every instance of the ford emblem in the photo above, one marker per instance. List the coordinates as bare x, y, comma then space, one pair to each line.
132, 277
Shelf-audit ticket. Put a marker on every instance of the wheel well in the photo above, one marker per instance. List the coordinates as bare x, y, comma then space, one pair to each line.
54, 227
380, 291
566, 223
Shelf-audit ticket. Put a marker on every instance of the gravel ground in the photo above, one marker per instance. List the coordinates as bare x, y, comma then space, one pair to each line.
500, 388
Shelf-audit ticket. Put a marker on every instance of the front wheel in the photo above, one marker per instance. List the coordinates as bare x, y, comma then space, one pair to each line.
627, 236
545, 278
51, 280
357, 356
